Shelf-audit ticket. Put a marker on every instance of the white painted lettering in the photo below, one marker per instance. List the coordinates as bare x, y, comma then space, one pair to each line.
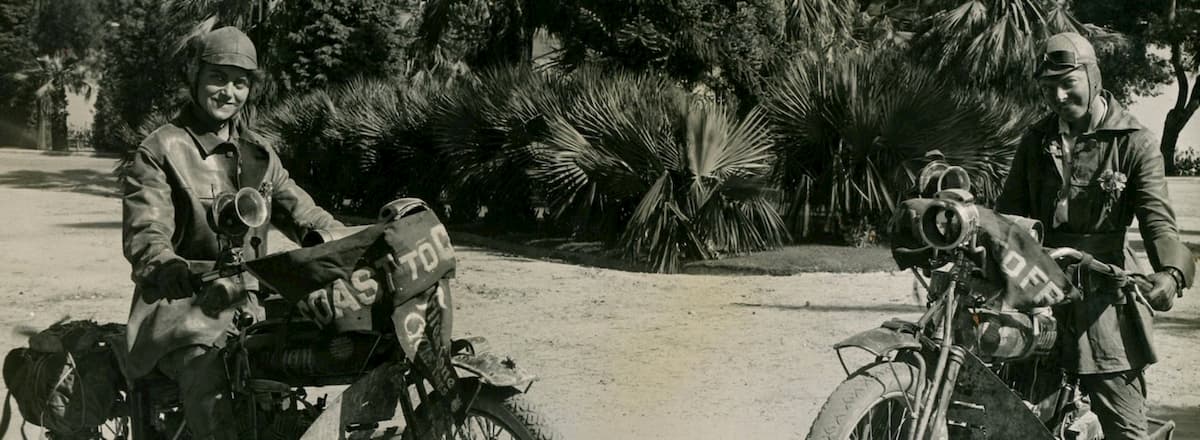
364, 286
1013, 264
429, 257
411, 260
1035, 276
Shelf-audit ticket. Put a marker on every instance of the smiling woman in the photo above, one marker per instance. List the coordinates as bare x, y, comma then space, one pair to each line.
223, 90
169, 186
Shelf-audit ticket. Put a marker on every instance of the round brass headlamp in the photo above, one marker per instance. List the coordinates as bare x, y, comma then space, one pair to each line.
947, 224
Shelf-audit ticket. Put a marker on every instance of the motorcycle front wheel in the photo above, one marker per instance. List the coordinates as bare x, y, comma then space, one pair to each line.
500, 414
874, 403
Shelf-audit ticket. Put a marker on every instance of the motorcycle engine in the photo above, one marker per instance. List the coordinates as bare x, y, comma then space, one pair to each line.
323, 356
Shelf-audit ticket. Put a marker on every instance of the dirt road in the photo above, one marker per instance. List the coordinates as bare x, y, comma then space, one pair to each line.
620, 355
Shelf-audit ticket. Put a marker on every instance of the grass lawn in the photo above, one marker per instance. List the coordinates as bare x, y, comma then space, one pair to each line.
790, 260
799, 259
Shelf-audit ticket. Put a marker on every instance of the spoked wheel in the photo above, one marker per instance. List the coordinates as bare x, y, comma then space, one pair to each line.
113, 429
501, 414
873, 404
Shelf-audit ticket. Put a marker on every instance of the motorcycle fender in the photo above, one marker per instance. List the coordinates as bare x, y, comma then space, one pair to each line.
490, 368
880, 341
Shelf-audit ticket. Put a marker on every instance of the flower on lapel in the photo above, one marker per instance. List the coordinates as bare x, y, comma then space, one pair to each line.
1055, 148
1112, 181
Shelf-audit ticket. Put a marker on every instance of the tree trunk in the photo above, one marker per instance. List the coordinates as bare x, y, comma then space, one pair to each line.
1176, 119
1185, 103
1185, 106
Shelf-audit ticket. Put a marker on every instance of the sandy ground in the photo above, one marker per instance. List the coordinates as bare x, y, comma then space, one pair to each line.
620, 355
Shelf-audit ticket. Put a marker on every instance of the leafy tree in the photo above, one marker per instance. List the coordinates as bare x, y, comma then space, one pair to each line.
322, 42
67, 27
716, 46
727, 47
140, 81
1129, 67
486, 33
17, 53
1170, 24
1181, 31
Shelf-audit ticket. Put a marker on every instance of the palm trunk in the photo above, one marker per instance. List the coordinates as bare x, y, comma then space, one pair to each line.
43, 123
58, 119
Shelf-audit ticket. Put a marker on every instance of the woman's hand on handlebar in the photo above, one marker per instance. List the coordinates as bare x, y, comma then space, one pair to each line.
174, 280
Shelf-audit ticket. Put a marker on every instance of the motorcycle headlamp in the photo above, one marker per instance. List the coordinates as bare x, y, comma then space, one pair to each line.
948, 223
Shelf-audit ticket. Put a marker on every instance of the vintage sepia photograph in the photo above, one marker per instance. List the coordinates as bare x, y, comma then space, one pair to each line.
599, 219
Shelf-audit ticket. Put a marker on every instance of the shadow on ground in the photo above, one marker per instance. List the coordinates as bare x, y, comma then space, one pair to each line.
893, 308
86, 181
92, 225
1185, 326
1187, 419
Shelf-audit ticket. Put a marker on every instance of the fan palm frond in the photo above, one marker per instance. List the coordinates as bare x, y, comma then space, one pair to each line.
489, 130
994, 40
680, 178
845, 131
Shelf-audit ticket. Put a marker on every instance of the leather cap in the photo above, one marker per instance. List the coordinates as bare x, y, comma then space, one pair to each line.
228, 46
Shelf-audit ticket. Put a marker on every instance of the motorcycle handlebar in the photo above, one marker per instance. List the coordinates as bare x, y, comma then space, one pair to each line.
1101, 267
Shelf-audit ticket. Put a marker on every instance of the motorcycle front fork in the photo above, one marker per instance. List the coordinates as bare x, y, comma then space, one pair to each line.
430, 422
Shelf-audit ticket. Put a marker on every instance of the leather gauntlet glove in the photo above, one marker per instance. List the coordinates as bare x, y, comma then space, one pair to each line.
1162, 295
174, 280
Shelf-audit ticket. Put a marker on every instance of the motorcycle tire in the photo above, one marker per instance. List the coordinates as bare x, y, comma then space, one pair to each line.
116, 428
874, 402
497, 411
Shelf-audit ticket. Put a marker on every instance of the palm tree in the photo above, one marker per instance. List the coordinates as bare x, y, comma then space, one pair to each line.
823, 24
52, 78
365, 142
850, 131
488, 130
681, 177
994, 41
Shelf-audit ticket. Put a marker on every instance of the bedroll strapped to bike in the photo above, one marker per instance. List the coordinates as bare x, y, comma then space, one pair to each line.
67, 380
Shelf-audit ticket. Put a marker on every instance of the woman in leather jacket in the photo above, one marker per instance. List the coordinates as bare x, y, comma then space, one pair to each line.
1086, 171
175, 174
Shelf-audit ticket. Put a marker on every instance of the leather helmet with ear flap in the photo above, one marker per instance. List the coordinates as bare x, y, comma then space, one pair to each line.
1064, 53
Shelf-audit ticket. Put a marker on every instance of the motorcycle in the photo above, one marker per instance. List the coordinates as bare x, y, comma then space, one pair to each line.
385, 335
980, 362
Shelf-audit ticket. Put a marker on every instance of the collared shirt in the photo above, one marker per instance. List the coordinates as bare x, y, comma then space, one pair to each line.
1097, 114
220, 155
1067, 139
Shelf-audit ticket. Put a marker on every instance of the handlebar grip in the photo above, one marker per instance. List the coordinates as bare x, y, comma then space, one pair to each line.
1142, 283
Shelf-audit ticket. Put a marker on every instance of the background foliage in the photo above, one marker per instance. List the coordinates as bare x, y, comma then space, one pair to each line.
671, 131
